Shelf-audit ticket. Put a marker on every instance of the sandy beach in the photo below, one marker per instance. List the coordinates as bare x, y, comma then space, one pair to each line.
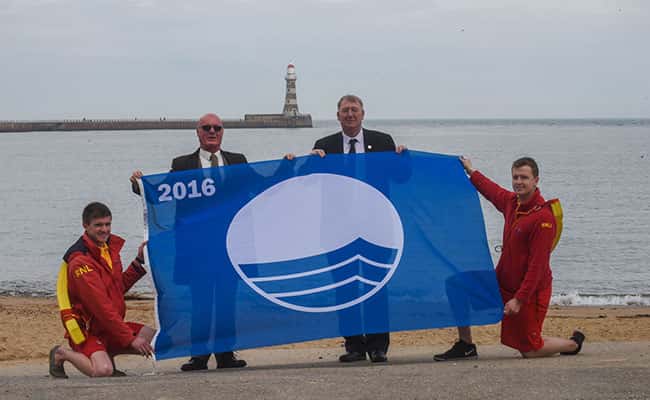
613, 365
29, 327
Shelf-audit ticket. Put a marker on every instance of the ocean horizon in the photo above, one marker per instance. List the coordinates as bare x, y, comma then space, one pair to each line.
594, 166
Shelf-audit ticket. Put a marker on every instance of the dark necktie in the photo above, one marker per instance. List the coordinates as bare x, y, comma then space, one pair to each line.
353, 148
214, 161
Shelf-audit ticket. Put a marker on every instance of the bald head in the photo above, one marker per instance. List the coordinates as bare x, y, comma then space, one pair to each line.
207, 119
209, 130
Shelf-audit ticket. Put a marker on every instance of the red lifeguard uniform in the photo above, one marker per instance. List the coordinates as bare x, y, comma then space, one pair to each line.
523, 270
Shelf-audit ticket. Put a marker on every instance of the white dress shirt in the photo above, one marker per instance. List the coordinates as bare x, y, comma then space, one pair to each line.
204, 156
359, 145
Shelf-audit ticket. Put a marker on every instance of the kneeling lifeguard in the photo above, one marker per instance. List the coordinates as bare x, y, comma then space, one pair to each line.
90, 292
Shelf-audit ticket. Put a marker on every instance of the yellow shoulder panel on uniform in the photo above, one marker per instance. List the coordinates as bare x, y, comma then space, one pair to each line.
556, 209
67, 316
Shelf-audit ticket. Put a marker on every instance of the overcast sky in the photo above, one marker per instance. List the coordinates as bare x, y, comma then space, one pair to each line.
406, 58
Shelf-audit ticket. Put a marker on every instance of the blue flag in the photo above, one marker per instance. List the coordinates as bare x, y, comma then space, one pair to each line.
281, 251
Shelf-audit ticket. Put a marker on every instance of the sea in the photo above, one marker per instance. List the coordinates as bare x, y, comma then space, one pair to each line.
598, 168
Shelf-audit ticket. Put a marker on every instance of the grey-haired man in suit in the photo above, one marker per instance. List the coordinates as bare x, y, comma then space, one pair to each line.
353, 138
209, 131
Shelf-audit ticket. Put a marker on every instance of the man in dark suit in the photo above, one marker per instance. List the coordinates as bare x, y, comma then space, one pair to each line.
354, 139
209, 154
210, 132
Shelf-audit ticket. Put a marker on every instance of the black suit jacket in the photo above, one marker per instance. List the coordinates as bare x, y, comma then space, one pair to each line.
184, 163
193, 161
373, 140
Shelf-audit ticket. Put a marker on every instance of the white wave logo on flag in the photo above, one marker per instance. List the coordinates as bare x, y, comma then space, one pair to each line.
316, 243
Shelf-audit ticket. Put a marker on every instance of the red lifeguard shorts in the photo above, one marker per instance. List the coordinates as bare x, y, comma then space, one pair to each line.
523, 331
93, 343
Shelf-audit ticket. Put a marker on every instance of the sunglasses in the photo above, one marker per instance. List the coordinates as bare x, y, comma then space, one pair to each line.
207, 128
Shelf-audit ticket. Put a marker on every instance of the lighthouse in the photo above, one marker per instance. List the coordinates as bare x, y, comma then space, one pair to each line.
290, 101
290, 116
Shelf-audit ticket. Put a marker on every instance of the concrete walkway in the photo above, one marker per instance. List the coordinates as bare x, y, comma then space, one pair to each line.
603, 371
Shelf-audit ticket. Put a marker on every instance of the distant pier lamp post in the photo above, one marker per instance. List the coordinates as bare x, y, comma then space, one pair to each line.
290, 100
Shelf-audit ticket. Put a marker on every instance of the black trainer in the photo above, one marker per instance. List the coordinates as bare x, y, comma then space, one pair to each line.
56, 371
579, 338
459, 351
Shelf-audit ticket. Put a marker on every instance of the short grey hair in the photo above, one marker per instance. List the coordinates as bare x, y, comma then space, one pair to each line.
351, 98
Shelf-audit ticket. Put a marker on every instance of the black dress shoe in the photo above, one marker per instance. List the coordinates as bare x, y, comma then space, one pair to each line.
352, 356
228, 360
378, 356
196, 363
